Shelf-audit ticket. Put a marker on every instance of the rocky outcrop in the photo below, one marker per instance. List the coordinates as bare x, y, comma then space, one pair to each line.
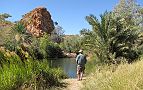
38, 21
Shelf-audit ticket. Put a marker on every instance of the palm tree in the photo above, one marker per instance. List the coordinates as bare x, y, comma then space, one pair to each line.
99, 38
112, 37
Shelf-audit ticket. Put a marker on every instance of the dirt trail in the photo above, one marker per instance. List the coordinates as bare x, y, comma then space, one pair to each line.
73, 84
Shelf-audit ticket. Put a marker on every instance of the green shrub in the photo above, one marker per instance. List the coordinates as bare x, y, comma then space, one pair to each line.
42, 48
17, 74
53, 50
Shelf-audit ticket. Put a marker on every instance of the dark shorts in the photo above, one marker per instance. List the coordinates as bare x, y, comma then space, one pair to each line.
80, 69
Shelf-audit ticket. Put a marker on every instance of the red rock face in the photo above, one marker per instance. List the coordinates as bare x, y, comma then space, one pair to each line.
38, 21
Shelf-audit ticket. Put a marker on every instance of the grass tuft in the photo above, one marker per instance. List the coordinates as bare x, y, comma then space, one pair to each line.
125, 77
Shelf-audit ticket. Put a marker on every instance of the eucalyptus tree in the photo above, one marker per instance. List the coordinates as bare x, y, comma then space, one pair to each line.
129, 14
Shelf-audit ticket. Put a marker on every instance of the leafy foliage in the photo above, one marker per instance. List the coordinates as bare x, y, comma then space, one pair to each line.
3, 21
17, 74
130, 11
71, 43
4, 16
117, 35
43, 48
113, 38
98, 40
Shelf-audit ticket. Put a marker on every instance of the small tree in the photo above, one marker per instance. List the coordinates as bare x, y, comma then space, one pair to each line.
57, 34
3, 20
4, 16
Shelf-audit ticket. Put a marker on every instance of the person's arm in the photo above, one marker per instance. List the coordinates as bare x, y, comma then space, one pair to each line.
85, 59
77, 58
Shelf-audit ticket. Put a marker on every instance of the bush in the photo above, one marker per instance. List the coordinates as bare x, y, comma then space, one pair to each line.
54, 51
17, 74
42, 48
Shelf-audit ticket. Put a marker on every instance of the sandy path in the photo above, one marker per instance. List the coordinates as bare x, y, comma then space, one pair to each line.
73, 84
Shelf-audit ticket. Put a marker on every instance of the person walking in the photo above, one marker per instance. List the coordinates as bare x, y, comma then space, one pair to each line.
81, 61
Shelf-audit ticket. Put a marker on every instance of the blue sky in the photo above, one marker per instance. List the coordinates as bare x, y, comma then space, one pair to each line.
70, 14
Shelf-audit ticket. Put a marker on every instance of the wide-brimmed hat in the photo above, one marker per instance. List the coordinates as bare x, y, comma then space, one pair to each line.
80, 51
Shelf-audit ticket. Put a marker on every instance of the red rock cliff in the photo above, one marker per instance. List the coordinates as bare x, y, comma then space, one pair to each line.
38, 21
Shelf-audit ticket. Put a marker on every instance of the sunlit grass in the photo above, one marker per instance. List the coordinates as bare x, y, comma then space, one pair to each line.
125, 77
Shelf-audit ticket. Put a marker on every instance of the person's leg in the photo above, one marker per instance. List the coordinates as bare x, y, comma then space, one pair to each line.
81, 75
78, 73
78, 76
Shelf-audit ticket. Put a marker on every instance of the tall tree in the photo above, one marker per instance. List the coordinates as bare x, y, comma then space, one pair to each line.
130, 12
130, 15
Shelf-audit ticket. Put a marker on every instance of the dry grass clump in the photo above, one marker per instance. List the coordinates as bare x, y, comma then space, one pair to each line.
125, 77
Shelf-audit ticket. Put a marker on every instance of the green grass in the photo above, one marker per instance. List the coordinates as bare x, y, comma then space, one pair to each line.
33, 74
125, 77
